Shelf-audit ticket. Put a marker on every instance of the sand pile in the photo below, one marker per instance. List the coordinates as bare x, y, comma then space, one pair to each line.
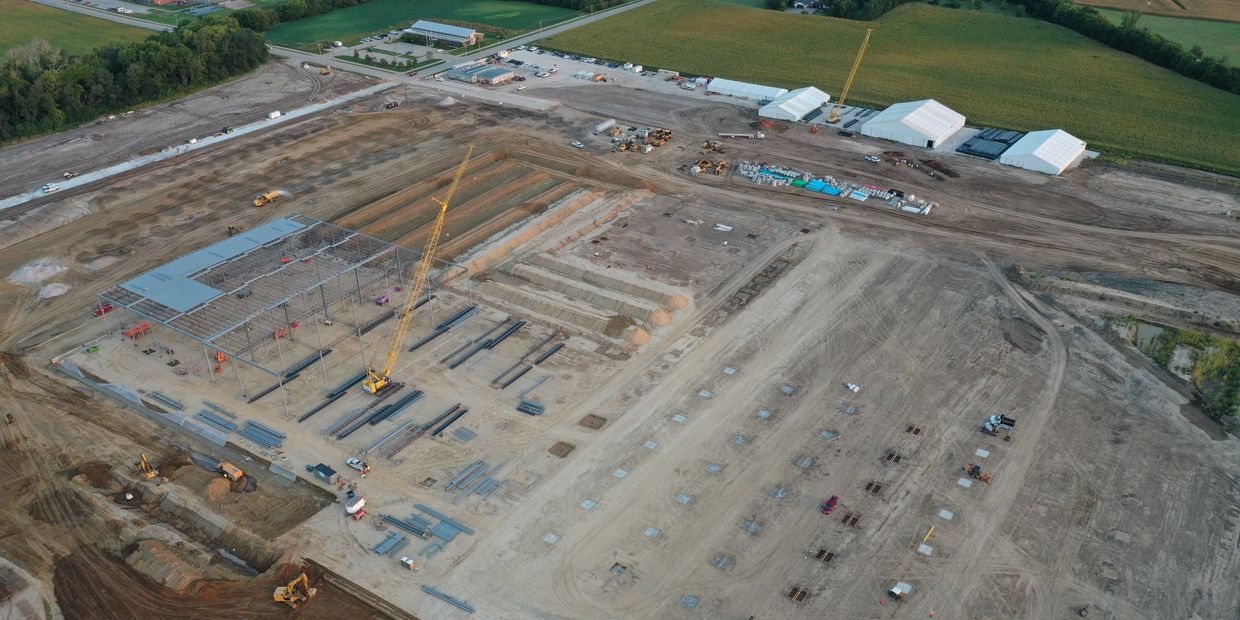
53, 290
37, 271
103, 262
218, 489
447, 101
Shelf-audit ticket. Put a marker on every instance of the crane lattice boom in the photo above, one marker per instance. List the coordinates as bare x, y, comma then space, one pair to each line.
376, 380
839, 104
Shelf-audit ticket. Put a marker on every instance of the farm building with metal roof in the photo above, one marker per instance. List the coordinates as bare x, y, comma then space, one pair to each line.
745, 90
919, 123
794, 105
1050, 151
443, 32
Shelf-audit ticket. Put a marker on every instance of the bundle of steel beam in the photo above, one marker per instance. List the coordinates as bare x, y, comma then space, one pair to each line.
455, 602
389, 542
400, 544
271, 388
391, 411
421, 529
447, 326
475, 479
344, 387
375, 323
477, 343
388, 437
321, 406
530, 407
216, 420
552, 351
365, 417
445, 518
220, 410
300, 366
490, 343
361, 414
160, 398
442, 427
504, 336
520, 361
262, 434
412, 435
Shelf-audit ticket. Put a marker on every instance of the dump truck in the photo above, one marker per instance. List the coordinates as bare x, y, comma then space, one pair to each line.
230, 471
267, 198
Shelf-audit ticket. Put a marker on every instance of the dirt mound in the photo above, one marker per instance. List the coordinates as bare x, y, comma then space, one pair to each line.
659, 318
218, 489
98, 475
53, 290
58, 506
37, 271
447, 101
171, 465
637, 336
163, 564
678, 302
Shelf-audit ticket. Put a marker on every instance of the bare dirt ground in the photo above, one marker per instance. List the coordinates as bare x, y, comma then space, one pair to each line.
1110, 496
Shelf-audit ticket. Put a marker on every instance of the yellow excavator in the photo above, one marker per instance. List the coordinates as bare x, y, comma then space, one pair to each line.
839, 104
144, 468
296, 593
378, 380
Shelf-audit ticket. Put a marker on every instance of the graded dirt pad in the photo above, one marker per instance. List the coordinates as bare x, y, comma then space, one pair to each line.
1107, 497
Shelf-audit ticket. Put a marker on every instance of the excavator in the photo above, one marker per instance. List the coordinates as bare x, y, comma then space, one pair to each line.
378, 380
144, 468
296, 593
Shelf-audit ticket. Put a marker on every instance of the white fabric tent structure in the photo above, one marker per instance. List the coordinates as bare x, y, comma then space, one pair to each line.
733, 88
1050, 151
794, 105
919, 123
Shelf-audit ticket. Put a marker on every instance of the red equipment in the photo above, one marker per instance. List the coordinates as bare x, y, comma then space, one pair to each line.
828, 506
357, 516
137, 331
102, 310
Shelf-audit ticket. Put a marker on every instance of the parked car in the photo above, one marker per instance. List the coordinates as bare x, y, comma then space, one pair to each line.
413, 73
50, 187
873, 159
102, 310
578, 145
521, 87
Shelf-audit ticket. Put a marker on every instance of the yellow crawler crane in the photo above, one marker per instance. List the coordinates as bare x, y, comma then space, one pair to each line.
377, 380
835, 112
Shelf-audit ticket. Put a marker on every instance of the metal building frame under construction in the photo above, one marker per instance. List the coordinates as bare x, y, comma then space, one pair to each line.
266, 297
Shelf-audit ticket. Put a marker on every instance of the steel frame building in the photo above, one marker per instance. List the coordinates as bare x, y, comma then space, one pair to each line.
236, 295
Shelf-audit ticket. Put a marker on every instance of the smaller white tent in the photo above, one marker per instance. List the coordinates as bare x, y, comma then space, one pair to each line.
919, 123
794, 105
733, 88
1050, 151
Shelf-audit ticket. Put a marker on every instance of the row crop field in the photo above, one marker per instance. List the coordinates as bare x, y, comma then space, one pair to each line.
1215, 38
1223, 10
996, 70
382, 15
71, 32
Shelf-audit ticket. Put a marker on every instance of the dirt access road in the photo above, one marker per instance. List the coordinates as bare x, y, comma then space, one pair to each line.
1108, 498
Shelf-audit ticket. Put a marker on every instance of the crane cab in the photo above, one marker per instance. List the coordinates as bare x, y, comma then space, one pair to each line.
374, 383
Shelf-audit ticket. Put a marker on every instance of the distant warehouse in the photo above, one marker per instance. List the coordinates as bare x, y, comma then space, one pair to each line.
745, 90
919, 123
1050, 151
436, 33
794, 105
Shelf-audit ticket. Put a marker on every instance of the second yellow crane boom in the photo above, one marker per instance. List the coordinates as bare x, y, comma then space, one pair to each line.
377, 380
839, 104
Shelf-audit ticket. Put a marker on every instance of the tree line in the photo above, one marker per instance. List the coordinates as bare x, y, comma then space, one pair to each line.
261, 20
43, 90
580, 5
1129, 37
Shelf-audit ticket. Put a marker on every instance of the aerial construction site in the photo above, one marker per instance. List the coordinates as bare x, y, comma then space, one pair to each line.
453, 357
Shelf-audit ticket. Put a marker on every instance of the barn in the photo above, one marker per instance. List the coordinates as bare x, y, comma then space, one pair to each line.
745, 90
919, 123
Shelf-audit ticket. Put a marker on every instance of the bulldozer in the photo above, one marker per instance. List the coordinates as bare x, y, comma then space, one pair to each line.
975, 472
233, 231
296, 593
720, 166
144, 468
325, 71
265, 199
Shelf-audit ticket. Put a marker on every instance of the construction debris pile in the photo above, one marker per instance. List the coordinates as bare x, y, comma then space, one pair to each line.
643, 139
780, 176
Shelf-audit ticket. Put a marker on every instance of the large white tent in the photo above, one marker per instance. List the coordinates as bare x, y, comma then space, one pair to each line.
1050, 151
733, 88
919, 123
794, 105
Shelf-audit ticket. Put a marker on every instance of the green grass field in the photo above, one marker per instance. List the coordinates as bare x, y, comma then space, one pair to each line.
71, 32
382, 15
996, 70
1215, 38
